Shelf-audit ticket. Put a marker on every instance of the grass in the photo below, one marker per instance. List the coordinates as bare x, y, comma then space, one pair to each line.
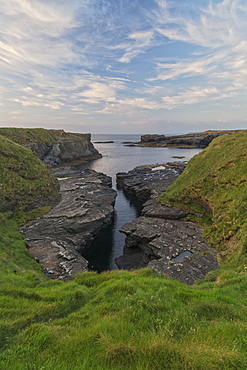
25, 181
136, 320
26, 136
120, 320
213, 189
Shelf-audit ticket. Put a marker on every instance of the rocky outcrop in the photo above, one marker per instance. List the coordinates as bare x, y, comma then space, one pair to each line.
197, 140
144, 181
53, 147
160, 238
69, 147
60, 237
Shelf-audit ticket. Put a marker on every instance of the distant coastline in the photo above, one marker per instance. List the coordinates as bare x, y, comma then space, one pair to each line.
192, 140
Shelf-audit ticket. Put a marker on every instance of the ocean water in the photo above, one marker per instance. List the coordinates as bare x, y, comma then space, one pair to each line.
120, 158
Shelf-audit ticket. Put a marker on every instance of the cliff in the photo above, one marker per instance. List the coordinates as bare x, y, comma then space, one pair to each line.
53, 147
197, 140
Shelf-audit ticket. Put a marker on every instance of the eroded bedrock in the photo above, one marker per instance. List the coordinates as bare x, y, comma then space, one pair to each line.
160, 238
149, 181
86, 207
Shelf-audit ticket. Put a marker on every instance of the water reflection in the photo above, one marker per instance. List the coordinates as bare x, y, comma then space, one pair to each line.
119, 158
109, 244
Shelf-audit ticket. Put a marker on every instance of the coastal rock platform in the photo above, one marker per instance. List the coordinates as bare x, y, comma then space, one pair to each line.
58, 239
160, 238
193, 140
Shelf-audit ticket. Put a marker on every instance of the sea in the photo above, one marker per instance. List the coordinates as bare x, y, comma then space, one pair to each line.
117, 157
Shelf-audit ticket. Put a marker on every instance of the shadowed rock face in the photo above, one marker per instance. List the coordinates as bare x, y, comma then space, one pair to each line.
160, 235
58, 239
69, 147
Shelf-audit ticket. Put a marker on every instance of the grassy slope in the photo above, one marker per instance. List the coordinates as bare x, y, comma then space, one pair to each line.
213, 189
23, 176
26, 136
117, 320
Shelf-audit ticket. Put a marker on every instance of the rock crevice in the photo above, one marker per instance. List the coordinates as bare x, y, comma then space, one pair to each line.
58, 240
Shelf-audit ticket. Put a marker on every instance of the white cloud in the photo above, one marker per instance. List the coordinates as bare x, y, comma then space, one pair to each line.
194, 95
139, 42
220, 32
188, 68
78, 57
215, 26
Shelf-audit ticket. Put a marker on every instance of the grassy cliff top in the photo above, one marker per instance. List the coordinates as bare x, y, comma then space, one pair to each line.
25, 181
25, 136
213, 189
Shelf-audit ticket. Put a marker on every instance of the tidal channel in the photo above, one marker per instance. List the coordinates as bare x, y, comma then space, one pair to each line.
117, 157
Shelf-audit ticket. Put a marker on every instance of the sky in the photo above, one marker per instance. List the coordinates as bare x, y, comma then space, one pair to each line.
123, 66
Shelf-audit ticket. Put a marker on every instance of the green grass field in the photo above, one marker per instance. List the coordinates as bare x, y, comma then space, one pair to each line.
136, 320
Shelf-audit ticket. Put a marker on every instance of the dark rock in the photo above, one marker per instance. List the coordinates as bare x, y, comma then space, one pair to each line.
192, 269
147, 181
69, 147
59, 238
160, 235
104, 142
193, 140
152, 138
133, 258
152, 208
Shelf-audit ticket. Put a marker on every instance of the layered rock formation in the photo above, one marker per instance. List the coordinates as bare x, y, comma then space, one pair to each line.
69, 147
144, 181
58, 239
197, 140
160, 239
53, 147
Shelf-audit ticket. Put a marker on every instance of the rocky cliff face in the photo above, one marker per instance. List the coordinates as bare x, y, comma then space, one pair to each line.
68, 148
53, 147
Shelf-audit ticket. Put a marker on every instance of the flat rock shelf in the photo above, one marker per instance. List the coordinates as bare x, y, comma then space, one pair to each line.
160, 235
58, 239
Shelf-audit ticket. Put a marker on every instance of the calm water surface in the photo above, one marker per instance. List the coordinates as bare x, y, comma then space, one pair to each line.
119, 158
